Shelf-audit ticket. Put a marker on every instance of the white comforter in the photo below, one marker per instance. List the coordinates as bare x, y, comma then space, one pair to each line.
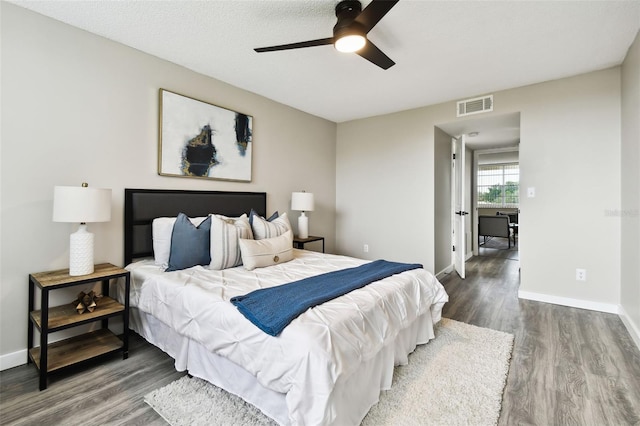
324, 344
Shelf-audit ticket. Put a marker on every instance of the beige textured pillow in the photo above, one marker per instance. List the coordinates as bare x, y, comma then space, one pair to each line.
266, 252
225, 234
262, 228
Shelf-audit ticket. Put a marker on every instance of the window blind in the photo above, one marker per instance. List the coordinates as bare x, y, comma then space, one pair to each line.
498, 185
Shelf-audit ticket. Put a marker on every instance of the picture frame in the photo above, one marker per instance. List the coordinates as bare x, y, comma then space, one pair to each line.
201, 140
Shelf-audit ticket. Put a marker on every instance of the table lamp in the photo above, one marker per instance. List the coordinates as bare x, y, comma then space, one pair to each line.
302, 202
81, 204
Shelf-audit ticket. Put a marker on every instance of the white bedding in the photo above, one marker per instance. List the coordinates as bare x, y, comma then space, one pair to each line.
315, 358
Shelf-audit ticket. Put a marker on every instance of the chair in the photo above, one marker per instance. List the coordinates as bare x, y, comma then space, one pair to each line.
513, 216
513, 223
494, 226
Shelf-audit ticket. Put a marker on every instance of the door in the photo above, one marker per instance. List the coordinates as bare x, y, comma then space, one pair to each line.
458, 207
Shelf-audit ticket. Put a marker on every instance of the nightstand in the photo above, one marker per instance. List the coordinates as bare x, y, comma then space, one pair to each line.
51, 357
300, 242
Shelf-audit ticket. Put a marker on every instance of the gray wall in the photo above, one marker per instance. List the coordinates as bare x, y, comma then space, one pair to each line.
77, 107
569, 151
385, 187
630, 209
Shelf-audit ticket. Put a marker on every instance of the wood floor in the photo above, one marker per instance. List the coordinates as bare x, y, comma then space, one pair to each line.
107, 392
569, 366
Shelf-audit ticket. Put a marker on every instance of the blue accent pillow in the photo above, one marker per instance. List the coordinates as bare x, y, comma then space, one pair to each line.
253, 213
190, 244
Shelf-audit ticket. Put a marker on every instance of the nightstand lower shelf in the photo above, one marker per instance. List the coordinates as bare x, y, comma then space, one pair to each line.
77, 349
65, 316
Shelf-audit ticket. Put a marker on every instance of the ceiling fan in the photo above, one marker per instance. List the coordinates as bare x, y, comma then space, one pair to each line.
350, 32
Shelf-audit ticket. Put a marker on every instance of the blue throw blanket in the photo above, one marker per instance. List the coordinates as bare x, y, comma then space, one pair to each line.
272, 309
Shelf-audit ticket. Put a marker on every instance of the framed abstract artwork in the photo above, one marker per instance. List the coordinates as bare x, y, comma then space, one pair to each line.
198, 139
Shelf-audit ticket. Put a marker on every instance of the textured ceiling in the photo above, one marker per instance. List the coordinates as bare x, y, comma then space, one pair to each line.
444, 50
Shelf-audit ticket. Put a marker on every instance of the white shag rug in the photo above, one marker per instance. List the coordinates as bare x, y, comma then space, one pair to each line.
456, 379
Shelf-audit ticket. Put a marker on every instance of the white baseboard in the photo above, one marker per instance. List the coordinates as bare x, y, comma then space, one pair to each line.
445, 271
566, 301
632, 328
18, 358
14, 359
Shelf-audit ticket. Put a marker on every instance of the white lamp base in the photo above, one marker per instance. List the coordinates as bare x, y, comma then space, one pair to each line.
303, 226
81, 252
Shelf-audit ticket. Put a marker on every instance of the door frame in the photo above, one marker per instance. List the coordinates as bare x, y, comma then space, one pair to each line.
458, 221
474, 193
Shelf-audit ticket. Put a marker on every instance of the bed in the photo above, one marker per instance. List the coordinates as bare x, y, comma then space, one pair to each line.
327, 366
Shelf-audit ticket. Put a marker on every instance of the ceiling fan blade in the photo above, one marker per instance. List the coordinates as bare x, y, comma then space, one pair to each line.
376, 56
374, 12
310, 43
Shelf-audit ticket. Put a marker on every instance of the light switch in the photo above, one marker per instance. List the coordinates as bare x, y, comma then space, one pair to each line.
531, 192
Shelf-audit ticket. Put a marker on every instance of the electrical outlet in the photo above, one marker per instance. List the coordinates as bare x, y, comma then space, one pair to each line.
365, 248
581, 274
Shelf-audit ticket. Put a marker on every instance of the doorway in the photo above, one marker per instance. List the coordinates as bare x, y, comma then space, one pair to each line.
494, 132
496, 200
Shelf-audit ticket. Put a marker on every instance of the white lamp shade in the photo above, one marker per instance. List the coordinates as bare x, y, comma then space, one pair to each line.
302, 201
81, 204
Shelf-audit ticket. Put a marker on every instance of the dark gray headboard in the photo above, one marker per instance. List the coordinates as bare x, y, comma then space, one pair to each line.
141, 206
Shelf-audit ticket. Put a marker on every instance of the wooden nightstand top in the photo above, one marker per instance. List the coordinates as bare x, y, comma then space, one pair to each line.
62, 277
309, 239
300, 242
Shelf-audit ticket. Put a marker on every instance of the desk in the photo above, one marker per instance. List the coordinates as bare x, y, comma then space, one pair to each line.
300, 242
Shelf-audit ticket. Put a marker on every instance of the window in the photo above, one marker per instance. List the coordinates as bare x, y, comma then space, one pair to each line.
498, 185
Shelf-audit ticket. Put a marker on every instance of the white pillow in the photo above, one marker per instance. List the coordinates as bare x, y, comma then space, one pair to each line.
161, 230
225, 233
266, 252
262, 228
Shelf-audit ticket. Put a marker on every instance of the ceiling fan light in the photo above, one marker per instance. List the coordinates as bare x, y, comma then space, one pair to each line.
350, 43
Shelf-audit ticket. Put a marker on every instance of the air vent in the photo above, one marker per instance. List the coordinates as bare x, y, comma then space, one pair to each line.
475, 106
